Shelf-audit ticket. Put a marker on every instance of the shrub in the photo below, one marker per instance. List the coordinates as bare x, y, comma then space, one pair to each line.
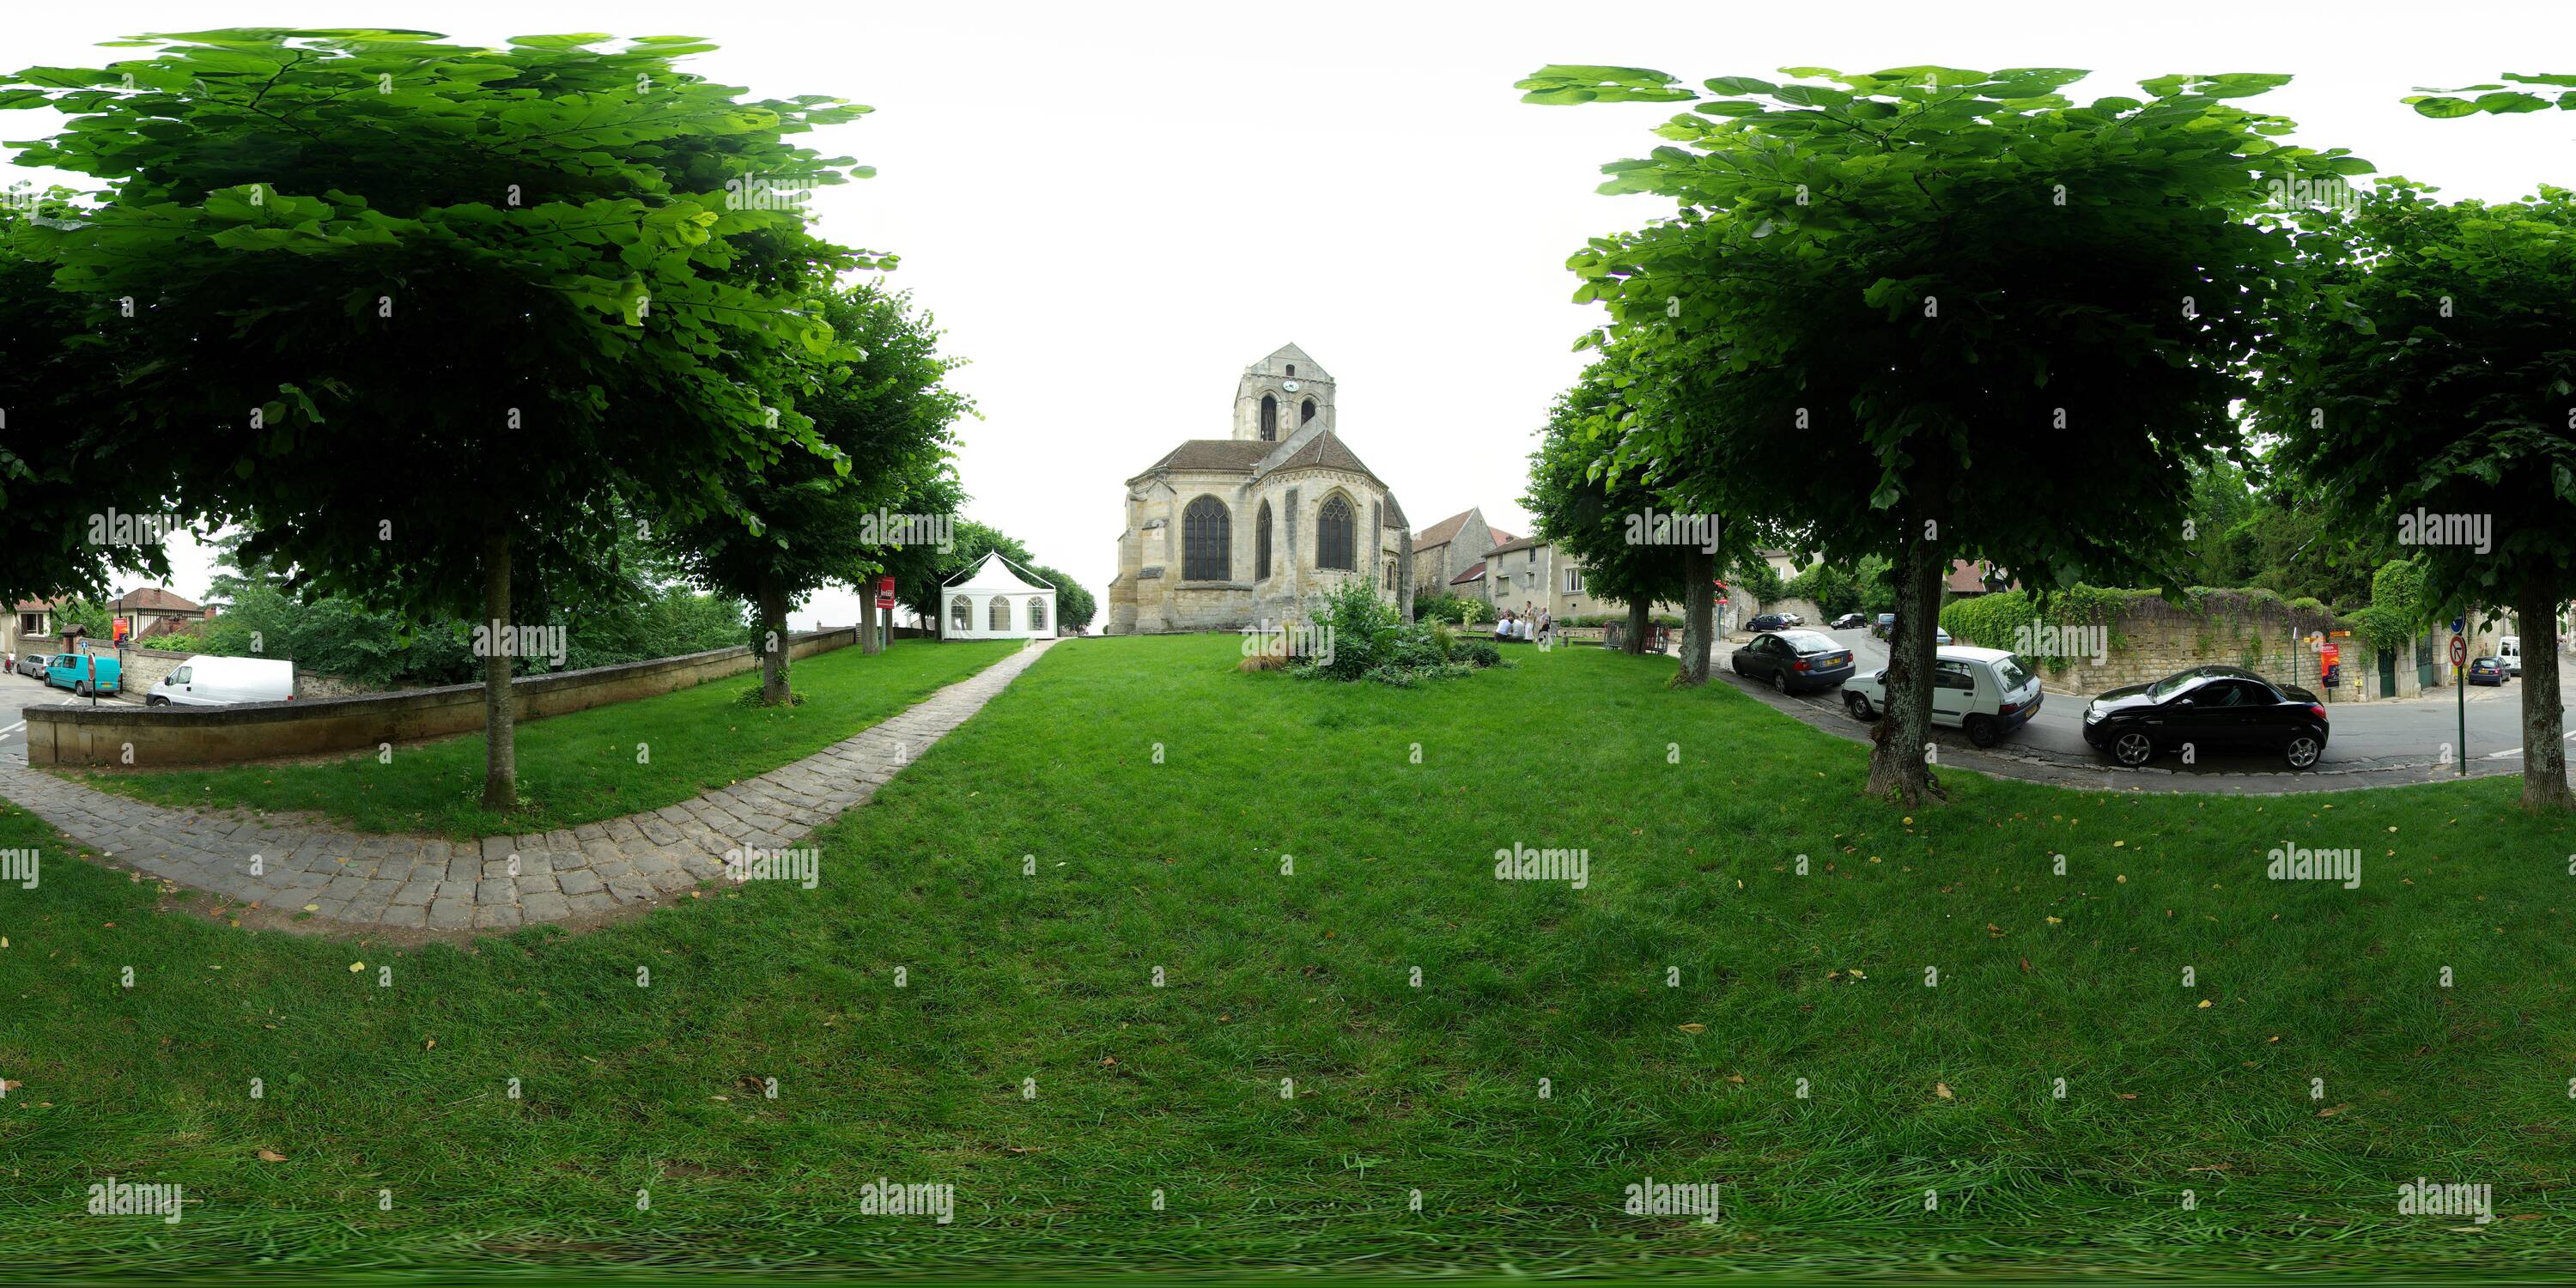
1480, 653
1368, 642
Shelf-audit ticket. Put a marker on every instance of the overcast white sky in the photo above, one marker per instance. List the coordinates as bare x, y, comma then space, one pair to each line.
1113, 208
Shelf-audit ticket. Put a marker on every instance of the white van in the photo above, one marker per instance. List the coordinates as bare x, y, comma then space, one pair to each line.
1984, 691
204, 681
2509, 652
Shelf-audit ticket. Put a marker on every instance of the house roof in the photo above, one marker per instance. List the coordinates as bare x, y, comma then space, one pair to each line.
37, 605
1476, 573
1394, 517
1511, 543
1325, 450
1967, 577
1441, 531
152, 599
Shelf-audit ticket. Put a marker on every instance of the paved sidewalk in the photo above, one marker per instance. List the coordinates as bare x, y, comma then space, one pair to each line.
421, 883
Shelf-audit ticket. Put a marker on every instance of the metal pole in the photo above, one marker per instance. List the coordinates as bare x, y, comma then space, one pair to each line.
2459, 680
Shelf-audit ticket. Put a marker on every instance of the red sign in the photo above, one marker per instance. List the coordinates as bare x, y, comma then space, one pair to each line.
2330, 656
118, 628
2459, 651
885, 592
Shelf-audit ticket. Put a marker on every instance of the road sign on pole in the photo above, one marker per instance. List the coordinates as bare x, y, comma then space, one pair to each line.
2460, 681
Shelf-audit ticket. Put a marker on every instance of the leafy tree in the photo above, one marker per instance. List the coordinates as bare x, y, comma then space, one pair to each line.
1586, 508
2495, 100
429, 316
2428, 381
1759, 581
58, 469
887, 417
972, 541
1881, 298
1829, 587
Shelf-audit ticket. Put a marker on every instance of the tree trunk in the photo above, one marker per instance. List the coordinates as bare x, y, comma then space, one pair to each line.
2544, 749
500, 715
868, 636
1699, 568
1898, 769
1640, 621
773, 643
885, 625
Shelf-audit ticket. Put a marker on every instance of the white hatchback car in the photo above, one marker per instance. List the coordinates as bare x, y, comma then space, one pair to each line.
1984, 691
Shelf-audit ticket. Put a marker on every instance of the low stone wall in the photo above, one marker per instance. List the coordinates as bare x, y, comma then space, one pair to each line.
160, 737
2152, 639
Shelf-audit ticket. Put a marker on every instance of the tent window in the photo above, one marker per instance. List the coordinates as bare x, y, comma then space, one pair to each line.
1333, 535
1261, 544
1000, 615
1037, 613
961, 615
1207, 541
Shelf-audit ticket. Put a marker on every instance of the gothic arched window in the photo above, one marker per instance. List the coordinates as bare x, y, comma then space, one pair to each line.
1269, 418
1037, 613
1306, 411
1000, 617
1333, 535
1261, 544
961, 615
1207, 541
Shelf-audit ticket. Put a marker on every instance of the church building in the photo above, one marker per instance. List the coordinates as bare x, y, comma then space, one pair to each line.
1225, 533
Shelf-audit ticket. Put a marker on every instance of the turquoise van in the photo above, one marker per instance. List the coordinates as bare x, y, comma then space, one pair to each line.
72, 671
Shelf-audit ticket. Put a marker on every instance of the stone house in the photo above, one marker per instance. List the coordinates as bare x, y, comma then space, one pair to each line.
155, 610
1530, 570
30, 628
1227, 533
1450, 555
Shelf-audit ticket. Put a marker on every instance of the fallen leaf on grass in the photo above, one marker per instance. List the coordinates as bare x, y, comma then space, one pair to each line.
1942, 1089
2204, 1004
2128, 1095
271, 1156
2329, 1113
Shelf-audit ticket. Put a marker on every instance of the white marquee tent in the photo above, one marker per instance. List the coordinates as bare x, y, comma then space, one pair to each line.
993, 602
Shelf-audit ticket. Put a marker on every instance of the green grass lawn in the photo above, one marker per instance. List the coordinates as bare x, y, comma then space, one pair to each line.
583, 767
1692, 807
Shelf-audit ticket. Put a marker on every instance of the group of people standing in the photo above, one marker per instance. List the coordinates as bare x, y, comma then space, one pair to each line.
1530, 625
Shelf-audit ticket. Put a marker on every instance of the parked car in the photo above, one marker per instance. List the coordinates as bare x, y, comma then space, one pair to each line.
207, 681
1767, 622
1793, 619
2509, 652
1794, 660
2211, 708
1849, 620
32, 665
2487, 670
1983, 691
1885, 628
80, 672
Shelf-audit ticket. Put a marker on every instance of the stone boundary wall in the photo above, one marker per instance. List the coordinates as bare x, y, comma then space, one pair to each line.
167, 736
2152, 639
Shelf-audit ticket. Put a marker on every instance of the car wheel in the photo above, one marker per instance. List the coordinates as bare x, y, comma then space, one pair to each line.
81, 687
1981, 730
2133, 748
156, 701
1780, 681
1738, 664
2303, 750
1858, 705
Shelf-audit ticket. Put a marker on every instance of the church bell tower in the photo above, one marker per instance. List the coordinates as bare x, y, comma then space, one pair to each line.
1280, 395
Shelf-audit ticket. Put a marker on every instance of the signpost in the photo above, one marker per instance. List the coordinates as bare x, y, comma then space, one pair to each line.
881, 622
2459, 680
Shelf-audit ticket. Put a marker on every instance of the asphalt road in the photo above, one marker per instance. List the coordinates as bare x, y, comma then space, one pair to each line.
2366, 743
18, 692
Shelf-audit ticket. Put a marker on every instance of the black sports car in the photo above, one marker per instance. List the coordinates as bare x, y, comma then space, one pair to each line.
2209, 709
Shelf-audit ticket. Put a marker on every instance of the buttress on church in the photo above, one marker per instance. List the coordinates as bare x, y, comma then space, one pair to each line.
1228, 533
